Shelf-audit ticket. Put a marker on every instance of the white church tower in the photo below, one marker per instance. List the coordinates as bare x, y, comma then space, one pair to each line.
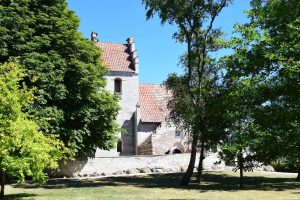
123, 78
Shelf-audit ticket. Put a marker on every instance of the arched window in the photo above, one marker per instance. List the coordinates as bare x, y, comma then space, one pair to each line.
118, 85
120, 146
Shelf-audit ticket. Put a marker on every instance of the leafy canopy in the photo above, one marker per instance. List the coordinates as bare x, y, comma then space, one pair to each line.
24, 150
267, 55
195, 20
66, 70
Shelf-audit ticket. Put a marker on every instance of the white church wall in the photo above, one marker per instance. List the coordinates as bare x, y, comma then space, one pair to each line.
128, 102
145, 130
110, 165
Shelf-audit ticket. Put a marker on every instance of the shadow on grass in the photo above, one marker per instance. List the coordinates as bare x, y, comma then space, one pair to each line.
211, 181
18, 196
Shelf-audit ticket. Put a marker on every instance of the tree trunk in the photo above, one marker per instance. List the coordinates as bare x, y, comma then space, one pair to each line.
241, 177
200, 165
189, 172
241, 166
2, 183
298, 177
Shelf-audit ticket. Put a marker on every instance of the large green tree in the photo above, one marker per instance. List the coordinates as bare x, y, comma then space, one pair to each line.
66, 70
241, 143
182, 114
24, 150
195, 20
267, 52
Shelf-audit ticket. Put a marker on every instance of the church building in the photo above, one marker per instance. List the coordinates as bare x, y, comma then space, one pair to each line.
144, 113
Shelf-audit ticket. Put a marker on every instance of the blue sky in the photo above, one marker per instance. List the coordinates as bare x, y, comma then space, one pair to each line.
116, 20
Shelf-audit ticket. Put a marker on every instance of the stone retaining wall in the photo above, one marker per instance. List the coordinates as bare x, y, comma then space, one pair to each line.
104, 166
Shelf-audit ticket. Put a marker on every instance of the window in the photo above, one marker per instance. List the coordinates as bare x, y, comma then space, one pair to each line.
177, 134
118, 85
120, 146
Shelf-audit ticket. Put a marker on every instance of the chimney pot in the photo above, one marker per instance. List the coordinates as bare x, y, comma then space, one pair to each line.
94, 37
130, 40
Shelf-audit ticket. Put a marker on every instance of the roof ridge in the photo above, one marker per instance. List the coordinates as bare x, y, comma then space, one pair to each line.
151, 84
112, 43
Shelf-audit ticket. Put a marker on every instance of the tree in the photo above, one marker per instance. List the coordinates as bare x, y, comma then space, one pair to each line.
24, 150
195, 21
181, 112
66, 70
240, 146
267, 52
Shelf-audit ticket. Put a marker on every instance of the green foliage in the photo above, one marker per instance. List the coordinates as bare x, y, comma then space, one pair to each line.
24, 150
238, 147
181, 111
181, 104
195, 20
266, 55
66, 70
283, 165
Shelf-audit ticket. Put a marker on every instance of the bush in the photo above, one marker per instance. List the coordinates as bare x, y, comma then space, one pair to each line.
282, 165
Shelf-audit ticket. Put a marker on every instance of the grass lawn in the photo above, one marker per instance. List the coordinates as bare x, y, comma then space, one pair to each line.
215, 185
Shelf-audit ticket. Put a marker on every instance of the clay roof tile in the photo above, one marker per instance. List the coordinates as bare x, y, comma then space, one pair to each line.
153, 100
116, 56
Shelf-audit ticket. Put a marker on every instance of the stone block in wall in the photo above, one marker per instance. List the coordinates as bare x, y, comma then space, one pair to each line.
157, 170
132, 171
119, 172
145, 170
183, 168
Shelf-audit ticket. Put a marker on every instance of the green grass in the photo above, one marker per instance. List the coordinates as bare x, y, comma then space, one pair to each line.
215, 185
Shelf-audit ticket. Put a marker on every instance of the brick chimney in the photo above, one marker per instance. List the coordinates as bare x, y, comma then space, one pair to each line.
133, 54
94, 37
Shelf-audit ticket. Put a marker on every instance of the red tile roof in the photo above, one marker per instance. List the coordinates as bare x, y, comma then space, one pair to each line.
116, 56
153, 100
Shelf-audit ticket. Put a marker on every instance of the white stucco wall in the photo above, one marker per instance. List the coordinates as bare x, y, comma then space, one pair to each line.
128, 102
145, 130
110, 165
130, 92
163, 139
